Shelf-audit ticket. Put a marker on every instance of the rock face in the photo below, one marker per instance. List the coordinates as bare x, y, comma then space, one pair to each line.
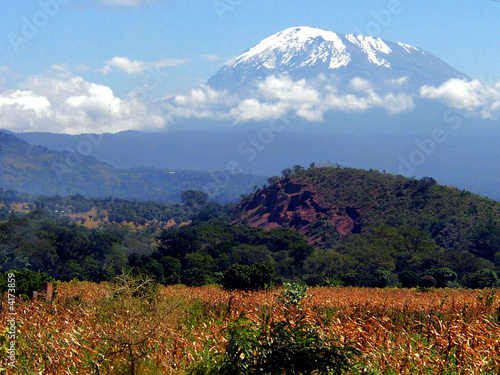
327, 204
298, 206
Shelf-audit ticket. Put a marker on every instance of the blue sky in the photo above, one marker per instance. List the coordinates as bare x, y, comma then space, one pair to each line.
116, 44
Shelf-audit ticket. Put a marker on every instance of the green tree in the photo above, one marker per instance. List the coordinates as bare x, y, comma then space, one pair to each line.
486, 240
244, 277
484, 278
177, 242
300, 252
381, 279
298, 168
441, 275
250, 255
194, 198
286, 172
408, 279
273, 180
327, 264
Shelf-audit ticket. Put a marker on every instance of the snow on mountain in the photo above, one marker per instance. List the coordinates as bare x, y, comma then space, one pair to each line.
316, 75
305, 52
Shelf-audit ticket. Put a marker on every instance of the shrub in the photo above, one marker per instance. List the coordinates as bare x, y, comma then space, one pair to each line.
135, 311
292, 294
135, 283
441, 275
484, 278
408, 279
427, 281
282, 347
244, 277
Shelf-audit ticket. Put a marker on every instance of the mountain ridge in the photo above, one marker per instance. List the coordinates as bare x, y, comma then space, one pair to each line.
37, 170
305, 52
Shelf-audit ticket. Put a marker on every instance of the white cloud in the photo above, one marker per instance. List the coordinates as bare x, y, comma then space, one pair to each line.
73, 106
279, 95
252, 109
60, 70
137, 67
25, 100
399, 81
82, 68
360, 84
397, 103
208, 57
201, 102
473, 96
200, 97
311, 100
6, 70
285, 89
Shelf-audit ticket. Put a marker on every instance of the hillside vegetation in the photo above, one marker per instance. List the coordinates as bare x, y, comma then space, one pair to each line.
88, 238
357, 216
322, 226
323, 202
39, 171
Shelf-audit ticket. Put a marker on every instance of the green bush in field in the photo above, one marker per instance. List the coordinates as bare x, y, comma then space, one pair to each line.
292, 294
281, 347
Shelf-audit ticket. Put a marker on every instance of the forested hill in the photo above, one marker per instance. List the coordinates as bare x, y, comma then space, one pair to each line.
325, 203
368, 228
39, 171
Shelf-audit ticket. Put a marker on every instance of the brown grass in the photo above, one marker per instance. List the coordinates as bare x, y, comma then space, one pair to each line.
398, 331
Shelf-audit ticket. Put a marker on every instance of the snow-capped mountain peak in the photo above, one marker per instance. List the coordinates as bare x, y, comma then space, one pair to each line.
296, 40
305, 52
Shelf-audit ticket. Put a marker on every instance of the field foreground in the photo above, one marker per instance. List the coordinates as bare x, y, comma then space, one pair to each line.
85, 331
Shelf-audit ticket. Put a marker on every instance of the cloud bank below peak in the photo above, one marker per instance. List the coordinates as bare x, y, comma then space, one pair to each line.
279, 95
473, 96
70, 104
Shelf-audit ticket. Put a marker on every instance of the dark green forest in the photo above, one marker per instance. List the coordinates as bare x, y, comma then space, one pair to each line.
413, 233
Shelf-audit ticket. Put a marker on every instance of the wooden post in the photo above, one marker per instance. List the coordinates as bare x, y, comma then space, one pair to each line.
47, 291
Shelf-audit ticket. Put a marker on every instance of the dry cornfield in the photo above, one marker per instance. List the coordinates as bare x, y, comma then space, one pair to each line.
86, 331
